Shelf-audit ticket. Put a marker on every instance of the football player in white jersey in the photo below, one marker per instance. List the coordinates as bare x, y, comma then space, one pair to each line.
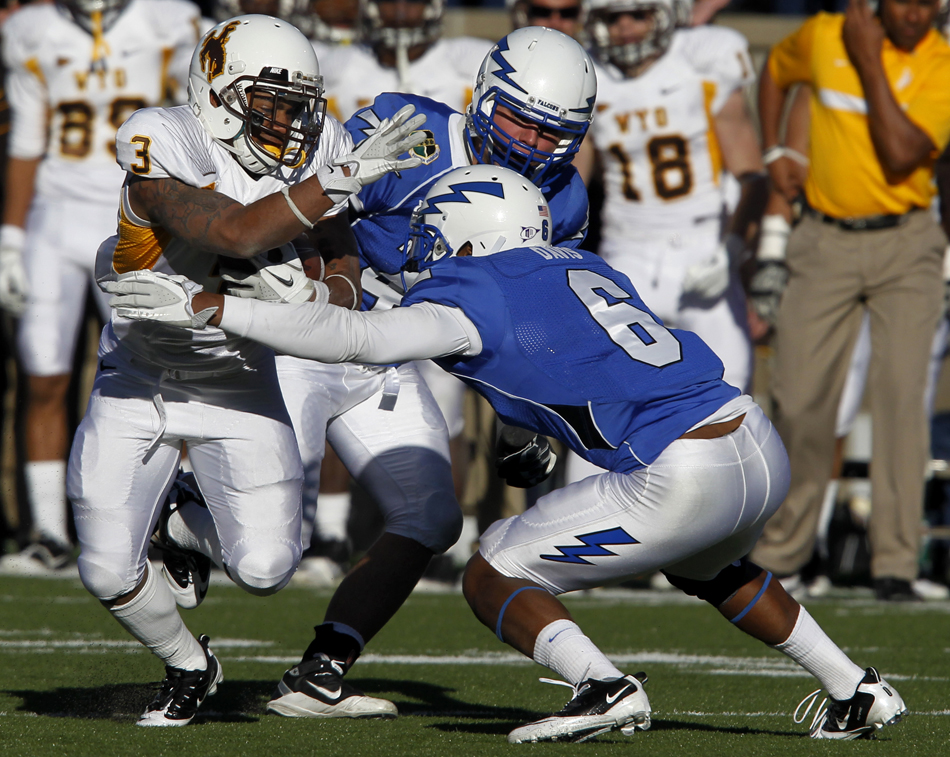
567, 16
76, 70
671, 118
249, 164
402, 50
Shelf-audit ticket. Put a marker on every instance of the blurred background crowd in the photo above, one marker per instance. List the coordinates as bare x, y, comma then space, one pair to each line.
760, 168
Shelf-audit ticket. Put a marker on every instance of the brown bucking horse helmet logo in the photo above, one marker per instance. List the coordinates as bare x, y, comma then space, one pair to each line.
213, 53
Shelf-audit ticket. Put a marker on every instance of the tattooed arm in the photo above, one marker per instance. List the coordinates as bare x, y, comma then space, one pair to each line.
214, 223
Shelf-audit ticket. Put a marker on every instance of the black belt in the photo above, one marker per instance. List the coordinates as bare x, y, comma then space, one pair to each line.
865, 223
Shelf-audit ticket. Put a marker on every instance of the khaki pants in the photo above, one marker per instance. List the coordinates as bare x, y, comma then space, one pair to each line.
895, 274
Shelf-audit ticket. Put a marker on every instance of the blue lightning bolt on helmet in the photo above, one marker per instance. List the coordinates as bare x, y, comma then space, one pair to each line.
542, 76
489, 207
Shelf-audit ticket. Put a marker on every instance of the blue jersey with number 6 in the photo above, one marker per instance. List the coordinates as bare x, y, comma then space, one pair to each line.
571, 351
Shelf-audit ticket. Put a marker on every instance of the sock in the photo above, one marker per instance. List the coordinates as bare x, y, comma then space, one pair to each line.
564, 648
811, 648
333, 511
46, 489
337, 641
152, 618
192, 527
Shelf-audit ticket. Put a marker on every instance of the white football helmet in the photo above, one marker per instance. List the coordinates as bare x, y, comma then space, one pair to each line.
492, 208
520, 13
667, 16
334, 22
268, 61
543, 76
375, 32
285, 9
83, 12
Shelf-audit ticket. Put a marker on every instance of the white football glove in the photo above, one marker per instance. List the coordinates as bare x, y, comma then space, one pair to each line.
14, 288
150, 296
375, 156
271, 282
771, 275
709, 280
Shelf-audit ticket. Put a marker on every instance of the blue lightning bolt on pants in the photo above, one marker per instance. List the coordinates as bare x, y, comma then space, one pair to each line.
701, 505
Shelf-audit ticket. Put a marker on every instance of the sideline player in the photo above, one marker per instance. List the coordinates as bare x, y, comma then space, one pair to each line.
75, 71
561, 343
250, 163
671, 117
401, 49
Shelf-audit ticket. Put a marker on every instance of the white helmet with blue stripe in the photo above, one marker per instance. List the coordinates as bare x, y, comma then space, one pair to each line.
542, 76
491, 208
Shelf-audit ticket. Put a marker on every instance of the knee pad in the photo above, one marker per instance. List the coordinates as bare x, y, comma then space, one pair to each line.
263, 570
104, 583
436, 525
716, 591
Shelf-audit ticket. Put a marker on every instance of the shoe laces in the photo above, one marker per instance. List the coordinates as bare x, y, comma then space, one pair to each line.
819, 713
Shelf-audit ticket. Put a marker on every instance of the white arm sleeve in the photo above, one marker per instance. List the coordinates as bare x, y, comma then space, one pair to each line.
330, 334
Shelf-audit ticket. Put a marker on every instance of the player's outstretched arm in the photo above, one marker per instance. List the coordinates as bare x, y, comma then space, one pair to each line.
212, 222
314, 330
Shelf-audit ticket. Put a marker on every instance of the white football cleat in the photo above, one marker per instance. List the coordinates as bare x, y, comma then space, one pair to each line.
597, 707
316, 689
874, 705
182, 692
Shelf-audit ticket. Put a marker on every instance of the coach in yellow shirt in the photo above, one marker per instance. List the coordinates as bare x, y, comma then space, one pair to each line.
880, 116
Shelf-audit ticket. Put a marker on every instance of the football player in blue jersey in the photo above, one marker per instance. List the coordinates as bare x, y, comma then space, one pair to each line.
532, 104
561, 344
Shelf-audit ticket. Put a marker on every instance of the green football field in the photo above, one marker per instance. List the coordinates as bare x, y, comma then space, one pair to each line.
72, 682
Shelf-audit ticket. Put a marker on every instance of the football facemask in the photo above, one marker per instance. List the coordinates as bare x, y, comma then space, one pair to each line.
95, 16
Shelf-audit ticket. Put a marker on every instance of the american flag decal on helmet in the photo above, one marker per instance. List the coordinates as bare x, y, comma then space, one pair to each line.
543, 211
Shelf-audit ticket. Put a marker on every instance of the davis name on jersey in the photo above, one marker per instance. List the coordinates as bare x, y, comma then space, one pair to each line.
353, 76
569, 350
384, 207
662, 163
159, 143
69, 92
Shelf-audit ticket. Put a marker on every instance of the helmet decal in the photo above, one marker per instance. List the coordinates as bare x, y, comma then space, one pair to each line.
504, 67
213, 52
455, 194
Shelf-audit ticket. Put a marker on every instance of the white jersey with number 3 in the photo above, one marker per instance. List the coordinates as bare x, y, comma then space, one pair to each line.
162, 143
69, 91
656, 138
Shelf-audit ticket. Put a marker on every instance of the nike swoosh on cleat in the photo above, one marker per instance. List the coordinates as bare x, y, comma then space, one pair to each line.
611, 698
325, 692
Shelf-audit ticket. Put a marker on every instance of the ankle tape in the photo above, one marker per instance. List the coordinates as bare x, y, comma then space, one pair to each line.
501, 612
756, 598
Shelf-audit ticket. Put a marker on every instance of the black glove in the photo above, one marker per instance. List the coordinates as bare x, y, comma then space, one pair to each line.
766, 289
523, 458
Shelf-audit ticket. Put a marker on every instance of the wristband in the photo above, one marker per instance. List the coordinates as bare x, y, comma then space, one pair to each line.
795, 155
775, 152
285, 191
356, 297
12, 236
